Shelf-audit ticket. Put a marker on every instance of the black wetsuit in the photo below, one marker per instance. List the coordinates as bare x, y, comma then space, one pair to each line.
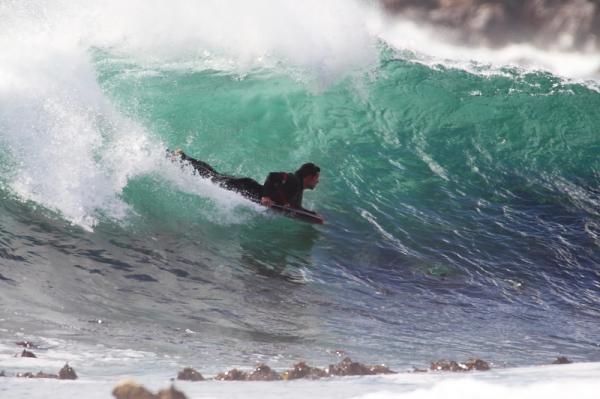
246, 186
283, 188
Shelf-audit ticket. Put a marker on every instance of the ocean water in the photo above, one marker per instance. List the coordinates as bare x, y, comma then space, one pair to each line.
460, 189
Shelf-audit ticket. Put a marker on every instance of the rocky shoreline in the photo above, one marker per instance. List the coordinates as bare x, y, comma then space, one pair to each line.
129, 389
551, 24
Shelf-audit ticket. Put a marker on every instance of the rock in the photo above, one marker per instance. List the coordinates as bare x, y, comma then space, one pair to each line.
264, 373
2, 374
451, 365
67, 373
41, 374
381, 369
26, 353
447, 365
189, 374
562, 360
302, 370
129, 389
477, 364
171, 393
232, 375
347, 367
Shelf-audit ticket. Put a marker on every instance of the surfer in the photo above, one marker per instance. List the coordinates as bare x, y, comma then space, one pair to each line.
280, 188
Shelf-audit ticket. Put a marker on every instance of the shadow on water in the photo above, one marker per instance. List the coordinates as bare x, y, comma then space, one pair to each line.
277, 248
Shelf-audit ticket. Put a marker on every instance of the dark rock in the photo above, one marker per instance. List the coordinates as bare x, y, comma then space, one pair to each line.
189, 374
477, 364
447, 365
67, 373
418, 370
44, 375
27, 344
171, 393
562, 360
26, 353
347, 367
129, 389
2, 374
302, 370
232, 375
381, 369
25, 375
264, 373
451, 365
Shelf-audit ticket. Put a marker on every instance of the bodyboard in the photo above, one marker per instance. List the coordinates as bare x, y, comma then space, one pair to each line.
297, 214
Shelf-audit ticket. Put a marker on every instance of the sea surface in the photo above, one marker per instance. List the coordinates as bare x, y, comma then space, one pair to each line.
460, 188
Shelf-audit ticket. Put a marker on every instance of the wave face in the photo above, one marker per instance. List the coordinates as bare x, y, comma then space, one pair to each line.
462, 204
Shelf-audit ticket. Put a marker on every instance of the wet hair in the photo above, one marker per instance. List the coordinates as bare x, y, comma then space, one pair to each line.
308, 169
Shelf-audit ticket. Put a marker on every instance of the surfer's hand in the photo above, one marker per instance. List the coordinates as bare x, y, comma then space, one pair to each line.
266, 201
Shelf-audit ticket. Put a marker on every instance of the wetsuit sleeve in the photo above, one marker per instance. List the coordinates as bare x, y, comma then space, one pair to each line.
271, 185
294, 190
201, 167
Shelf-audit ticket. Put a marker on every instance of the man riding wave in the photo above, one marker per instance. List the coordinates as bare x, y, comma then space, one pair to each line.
280, 188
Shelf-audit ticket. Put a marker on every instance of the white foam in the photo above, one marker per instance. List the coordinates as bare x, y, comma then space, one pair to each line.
71, 150
431, 47
58, 127
231, 206
97, 378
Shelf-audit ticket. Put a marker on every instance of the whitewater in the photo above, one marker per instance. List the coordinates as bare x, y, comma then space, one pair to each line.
460, 189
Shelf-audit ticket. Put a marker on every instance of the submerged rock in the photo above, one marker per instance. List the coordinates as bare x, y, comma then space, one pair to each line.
562, 360
264, 373
67, 373
447, 365
25, 375
189, 374
129, 389
232, 375
41, 374
418, 370
302, 370
451, 365
381, 369
26, 353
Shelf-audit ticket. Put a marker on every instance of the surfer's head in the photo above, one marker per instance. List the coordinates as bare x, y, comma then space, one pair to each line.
309, 173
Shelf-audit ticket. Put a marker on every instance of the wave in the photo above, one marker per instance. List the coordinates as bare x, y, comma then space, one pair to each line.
457, 190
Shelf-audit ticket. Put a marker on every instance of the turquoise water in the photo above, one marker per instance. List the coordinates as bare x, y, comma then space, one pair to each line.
461, 204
